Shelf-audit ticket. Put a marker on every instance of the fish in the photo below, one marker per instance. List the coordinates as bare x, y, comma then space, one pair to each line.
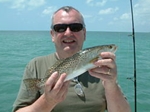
73, 66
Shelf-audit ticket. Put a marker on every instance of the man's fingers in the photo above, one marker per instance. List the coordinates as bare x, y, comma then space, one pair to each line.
60, 82
49, 84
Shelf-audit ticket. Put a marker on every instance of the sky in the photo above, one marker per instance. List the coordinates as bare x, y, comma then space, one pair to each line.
99, 15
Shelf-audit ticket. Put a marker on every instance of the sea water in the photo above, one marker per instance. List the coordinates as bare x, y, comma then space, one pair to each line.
17, 48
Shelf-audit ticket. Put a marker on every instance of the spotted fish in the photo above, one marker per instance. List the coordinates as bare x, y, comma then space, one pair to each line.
73, 66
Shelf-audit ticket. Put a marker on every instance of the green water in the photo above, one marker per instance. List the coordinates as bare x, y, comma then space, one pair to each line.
17, 48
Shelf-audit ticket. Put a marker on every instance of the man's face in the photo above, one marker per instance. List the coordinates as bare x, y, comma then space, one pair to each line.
68, 42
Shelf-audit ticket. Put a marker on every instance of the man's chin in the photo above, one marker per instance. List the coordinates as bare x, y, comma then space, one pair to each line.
70, 51
67, 48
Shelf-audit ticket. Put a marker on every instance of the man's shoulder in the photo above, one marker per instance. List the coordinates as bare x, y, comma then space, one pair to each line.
43, 58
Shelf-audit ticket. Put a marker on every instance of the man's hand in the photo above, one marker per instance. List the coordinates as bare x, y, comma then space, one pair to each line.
55, 88
106, 69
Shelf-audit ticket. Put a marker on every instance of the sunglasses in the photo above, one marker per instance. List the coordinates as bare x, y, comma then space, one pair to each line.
74, 27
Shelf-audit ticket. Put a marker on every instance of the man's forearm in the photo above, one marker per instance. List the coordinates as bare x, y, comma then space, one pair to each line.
40, 105
116, 102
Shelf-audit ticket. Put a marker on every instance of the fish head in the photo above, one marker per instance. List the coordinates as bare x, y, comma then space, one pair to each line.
96, 50
92, 54
106, 48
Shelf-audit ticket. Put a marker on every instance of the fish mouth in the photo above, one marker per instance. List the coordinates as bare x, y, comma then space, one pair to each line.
115, 49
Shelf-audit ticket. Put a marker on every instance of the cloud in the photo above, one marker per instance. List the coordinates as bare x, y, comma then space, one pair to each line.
87, 16
142, 8
108, 11
49, 10
142, 12
125, 16
93, 3
5, 0
18, 4
102, 3
88, 1
36, 3
21, 4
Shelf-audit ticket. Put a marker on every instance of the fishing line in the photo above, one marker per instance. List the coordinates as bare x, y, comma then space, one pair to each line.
134, 56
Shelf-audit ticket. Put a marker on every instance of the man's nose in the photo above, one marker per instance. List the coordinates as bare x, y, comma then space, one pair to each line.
68, 31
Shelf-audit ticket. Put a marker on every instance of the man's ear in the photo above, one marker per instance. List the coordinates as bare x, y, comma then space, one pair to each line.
84, 34
52, 35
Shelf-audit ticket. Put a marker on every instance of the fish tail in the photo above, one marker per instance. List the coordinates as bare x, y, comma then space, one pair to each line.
32, 85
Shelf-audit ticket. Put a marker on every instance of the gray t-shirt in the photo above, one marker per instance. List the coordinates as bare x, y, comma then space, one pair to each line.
92, 101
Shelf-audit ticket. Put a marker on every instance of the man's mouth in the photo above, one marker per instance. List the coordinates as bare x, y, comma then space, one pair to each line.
68, 41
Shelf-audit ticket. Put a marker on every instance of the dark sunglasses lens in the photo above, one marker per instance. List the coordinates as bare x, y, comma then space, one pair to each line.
76, 27
60, 27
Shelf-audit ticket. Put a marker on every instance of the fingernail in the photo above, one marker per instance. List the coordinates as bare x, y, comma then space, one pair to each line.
56, 72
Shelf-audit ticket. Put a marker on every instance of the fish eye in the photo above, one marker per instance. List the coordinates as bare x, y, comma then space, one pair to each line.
110, 47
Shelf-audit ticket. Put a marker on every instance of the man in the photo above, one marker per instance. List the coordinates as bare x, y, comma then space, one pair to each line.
99, 85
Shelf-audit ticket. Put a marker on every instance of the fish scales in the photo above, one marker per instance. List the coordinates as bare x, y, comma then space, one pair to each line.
72, 66
66, 65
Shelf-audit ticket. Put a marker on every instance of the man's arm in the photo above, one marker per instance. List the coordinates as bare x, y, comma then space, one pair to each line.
55, 92
116, 101
107, 72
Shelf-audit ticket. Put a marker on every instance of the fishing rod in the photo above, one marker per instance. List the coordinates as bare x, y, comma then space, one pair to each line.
134, 54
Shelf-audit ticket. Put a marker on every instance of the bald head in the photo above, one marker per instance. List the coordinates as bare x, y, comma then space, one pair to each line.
67, 9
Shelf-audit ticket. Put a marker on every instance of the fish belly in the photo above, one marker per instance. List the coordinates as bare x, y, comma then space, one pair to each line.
79, 71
